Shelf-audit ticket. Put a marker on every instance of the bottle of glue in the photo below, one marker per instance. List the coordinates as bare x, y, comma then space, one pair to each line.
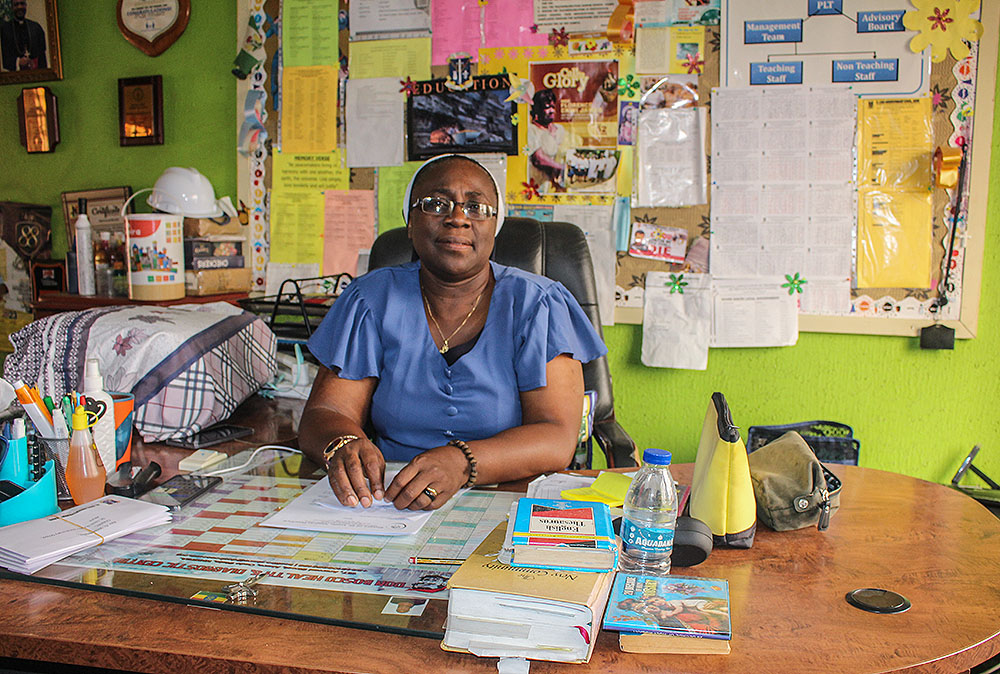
85, 474
104, 427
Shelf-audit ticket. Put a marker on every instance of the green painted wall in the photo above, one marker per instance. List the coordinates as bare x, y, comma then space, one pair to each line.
915, 412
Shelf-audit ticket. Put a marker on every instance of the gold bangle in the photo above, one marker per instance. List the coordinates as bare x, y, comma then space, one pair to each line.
473, 471
335, 444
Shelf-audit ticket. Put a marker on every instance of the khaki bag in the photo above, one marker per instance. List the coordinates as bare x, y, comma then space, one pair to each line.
793, 489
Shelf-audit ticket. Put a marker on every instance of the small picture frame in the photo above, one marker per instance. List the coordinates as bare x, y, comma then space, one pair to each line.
104, 208
48, 277
140, 111
29, 42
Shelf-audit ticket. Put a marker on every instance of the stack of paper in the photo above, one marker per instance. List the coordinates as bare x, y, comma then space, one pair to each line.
317, 509
26, 547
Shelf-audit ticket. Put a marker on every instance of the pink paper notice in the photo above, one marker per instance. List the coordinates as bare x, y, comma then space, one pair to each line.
464, 25
349, 227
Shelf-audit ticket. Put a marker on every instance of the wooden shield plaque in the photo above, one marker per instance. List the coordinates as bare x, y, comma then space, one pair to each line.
153, 25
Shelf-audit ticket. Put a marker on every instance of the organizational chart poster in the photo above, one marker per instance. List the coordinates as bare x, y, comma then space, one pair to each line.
822, 42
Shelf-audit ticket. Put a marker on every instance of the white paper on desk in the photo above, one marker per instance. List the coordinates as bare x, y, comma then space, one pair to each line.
676, 326
753, 312
374, 115
317, 509
551, 486
29, 546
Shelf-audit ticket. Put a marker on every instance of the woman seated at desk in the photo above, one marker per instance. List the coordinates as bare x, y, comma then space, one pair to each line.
469, 370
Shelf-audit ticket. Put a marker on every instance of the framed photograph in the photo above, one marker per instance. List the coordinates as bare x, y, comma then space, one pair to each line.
477, 119
47, 277
104, 208
29, 42
140, 111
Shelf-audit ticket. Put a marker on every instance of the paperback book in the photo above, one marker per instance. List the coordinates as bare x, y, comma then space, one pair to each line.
670, 614
562, 534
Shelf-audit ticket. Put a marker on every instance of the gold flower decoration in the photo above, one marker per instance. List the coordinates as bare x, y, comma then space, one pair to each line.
944, 25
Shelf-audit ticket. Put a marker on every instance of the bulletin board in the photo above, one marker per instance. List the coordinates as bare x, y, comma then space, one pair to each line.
959, 93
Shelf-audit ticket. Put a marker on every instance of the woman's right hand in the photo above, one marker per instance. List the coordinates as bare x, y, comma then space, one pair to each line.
356, 473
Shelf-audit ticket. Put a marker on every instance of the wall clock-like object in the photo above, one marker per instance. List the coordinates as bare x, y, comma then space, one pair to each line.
153, 25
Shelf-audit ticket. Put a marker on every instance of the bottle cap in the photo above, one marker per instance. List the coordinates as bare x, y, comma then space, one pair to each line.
92, 379
659, 457
80, 419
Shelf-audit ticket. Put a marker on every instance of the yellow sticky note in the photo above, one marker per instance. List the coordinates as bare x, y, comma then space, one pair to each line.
409, 57
309, 109
608, 488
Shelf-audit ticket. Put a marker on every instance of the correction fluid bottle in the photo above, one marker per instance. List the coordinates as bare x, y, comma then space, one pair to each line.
85, 474
84, 252
104, 428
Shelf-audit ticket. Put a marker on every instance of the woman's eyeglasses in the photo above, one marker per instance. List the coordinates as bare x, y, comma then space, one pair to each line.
440, 207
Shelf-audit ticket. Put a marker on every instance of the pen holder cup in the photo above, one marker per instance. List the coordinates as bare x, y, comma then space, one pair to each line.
57, 451
37, 500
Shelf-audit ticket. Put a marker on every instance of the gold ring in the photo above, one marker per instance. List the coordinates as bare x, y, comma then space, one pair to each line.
431, 493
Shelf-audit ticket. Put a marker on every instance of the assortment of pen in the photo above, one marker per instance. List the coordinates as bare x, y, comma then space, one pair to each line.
51, 420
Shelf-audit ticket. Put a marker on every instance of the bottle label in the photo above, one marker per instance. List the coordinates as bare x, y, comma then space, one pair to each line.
646, 539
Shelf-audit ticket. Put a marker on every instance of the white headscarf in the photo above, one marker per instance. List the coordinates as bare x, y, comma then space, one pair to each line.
409, 189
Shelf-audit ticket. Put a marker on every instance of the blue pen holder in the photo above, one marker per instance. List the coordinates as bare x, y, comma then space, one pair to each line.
37, 500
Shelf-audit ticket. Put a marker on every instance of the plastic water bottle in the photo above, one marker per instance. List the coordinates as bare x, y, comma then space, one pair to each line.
650, 514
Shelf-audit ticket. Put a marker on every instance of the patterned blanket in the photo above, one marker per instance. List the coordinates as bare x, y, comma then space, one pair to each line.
188, 366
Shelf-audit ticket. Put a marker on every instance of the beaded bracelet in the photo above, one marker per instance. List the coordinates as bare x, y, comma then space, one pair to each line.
473, 471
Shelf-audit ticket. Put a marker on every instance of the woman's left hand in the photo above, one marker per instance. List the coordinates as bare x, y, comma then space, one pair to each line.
429, 480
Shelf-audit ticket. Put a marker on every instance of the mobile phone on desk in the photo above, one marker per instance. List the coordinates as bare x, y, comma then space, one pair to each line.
213, 435
180, 490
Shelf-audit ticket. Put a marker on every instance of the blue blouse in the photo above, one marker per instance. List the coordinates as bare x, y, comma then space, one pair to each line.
377, 328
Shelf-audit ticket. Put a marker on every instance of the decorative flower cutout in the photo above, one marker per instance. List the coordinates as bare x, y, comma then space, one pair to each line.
515, 119
677, 283
533, 28
694, 63
794, 284
530, 189
628, 86
559, 38
525, 149
409, 87
943, 25
939, 97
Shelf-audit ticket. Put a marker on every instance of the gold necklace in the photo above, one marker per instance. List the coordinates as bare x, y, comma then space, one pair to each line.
444, 345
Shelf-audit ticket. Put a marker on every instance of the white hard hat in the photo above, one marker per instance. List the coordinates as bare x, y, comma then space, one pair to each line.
184, 191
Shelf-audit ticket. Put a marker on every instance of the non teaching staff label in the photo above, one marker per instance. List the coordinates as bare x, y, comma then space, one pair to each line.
786, 72
761, 32
866, 70
881, 22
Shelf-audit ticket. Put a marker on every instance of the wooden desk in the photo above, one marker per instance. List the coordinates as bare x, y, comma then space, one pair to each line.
935, 546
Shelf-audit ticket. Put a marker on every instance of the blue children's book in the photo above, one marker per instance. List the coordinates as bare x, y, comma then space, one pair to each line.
669, 605
562, 534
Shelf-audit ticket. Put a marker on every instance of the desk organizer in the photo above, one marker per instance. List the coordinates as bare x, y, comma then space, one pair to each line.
37, 500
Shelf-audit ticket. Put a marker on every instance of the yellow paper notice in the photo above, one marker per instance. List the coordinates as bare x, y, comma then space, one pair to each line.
309, 172
687, 50
895, 214
392, 181
309, 109
608, 488
391, 58
296, 227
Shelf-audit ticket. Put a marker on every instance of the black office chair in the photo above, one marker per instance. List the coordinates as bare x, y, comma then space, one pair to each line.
559, 251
